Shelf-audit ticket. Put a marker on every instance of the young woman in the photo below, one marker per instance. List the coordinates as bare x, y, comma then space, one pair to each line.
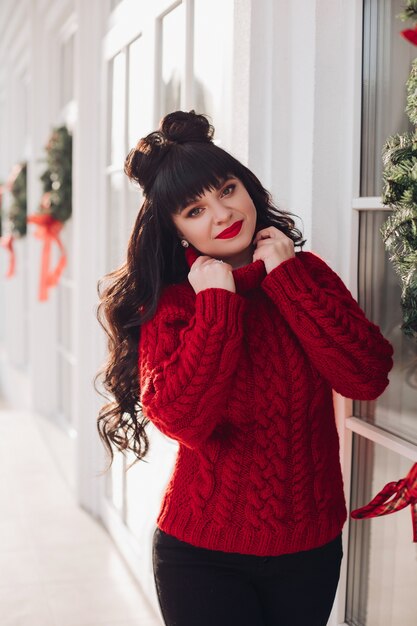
231, 342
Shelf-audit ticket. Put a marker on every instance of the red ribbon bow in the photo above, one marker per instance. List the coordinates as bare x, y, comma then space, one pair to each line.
48, 229
410, 34
6, 242
394, 497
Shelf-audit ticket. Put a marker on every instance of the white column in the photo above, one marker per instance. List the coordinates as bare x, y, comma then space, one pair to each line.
88, 181
14, 34
42, 315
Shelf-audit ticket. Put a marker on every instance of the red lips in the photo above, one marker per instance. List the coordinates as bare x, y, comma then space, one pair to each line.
232, 231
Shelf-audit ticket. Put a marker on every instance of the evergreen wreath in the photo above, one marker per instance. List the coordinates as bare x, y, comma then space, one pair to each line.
17, 213
399, 232
410, 11
55, 207
57, 178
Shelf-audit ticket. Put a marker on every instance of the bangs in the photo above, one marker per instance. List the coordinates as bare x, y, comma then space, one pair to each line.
186, 174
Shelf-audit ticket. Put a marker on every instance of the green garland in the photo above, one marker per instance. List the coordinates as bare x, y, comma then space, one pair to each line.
399, 158
18, 209
410, 11
57, 178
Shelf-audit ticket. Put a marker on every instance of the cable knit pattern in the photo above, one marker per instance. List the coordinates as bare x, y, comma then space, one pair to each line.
243, 381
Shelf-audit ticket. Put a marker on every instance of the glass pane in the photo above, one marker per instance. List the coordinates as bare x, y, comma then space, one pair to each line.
134, 202
65, 378
382, 572
117, 117
379, 295
116, 482
115, 230
138, 123
146, 482
213, 64
67, 70
173, 56
386, 66
114, 4
65, 317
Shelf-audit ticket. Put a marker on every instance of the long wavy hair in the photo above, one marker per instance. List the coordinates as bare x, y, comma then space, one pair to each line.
174, 165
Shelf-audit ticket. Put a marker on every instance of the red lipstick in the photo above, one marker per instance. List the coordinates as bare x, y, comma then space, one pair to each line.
230, 232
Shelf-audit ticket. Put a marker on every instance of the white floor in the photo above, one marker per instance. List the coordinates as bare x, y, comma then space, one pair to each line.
58, 567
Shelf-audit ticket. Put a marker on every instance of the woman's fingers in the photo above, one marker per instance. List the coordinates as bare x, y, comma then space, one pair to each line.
268, 233
273, 247
207, 272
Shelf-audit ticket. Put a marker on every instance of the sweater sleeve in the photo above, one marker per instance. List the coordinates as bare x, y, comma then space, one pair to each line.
346, 348
187, 359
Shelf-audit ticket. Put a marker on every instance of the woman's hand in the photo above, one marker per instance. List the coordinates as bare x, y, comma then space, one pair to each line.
272, 247
207, 272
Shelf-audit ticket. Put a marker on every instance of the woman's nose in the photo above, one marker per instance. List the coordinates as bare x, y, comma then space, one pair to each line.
221, 213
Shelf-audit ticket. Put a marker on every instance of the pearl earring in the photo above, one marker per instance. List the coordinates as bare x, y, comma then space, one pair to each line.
184, 243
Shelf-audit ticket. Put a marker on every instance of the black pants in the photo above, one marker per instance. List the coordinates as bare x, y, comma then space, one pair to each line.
199, 587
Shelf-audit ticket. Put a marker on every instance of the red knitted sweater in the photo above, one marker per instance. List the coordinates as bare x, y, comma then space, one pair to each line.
243, 381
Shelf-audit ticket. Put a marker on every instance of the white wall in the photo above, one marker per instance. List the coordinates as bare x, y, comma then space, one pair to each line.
296, 111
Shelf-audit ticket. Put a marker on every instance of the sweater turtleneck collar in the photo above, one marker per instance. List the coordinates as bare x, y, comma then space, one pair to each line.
246, 277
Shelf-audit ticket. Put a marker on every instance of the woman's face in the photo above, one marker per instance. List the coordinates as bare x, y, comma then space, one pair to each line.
201, 223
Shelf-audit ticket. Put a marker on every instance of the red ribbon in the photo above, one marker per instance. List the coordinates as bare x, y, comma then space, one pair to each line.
410, 34
6, 242
48, 229
394, 497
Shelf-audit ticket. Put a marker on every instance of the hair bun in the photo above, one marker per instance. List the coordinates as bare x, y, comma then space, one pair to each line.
143, 161
180, 127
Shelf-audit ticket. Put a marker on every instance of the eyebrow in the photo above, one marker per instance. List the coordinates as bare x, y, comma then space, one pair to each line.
230, 178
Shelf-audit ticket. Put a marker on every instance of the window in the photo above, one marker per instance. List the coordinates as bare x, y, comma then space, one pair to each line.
379, 295
381, 576
386, 65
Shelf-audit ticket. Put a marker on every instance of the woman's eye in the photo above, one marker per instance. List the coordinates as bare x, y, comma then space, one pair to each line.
192, 214
231, 187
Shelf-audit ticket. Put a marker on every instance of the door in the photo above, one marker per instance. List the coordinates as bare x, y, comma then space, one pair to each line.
156, 60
